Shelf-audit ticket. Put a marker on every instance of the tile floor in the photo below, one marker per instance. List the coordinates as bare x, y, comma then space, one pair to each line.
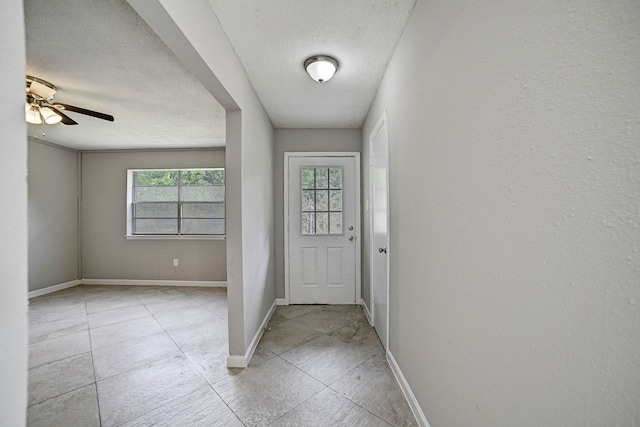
141, 356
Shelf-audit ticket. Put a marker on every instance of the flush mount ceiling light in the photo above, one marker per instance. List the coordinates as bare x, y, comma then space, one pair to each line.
321, 67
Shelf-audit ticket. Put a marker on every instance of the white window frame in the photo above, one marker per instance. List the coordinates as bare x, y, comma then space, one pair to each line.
129, 208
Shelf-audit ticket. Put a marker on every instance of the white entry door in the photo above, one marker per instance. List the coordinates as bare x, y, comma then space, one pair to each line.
380, 228
322, 229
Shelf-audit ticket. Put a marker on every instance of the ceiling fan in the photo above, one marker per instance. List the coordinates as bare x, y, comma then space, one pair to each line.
40, 107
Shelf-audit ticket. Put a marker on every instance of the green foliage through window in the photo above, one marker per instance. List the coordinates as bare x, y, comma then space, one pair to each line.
156, 178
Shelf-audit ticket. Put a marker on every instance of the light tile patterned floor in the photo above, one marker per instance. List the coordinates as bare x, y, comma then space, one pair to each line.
141, 356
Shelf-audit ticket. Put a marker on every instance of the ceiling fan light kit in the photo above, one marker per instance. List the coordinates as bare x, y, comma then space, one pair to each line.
321, 67
32, 115
41, 109
50, 116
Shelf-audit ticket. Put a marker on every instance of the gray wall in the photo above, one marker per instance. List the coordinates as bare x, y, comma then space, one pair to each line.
13, 220
302, 140
53, 215
192, 31
515, 242
106, 254
257, 221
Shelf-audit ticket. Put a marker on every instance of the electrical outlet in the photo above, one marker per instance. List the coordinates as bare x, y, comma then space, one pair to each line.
175, 262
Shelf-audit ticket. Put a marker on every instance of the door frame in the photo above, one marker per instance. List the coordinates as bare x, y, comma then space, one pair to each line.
372, 246
358, 234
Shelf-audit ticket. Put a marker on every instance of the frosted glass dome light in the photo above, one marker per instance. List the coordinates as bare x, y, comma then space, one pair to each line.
321, 68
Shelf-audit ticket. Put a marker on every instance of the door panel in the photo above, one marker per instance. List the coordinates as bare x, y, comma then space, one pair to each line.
334, 259
321, 229
380, 229
310, 266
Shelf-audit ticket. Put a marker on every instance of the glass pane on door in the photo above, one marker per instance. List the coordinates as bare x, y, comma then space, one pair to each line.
321, 201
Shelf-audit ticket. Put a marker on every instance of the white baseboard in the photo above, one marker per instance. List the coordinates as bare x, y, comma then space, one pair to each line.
235, 361
53, 288
126, 282
406, 390
281, 301
367, 313
132, 282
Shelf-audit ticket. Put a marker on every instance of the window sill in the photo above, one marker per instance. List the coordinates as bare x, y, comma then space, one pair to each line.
152, 237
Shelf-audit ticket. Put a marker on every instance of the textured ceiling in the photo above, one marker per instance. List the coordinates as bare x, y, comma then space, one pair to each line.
103, 57
273, 38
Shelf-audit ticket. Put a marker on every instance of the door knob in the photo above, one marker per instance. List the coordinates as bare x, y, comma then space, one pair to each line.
351, 238
382, 250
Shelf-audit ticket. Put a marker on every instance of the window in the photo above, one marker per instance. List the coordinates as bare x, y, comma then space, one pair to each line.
321, 201
176, 202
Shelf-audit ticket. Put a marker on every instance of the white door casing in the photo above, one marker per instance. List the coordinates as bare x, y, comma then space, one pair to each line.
379, 145
322, 228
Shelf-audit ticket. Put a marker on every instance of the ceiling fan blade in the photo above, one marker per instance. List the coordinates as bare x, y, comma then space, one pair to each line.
65, 119
84, 111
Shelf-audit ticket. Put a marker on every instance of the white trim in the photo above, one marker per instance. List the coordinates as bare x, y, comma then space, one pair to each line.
281, 301
321, 154
356, 156
135, 282
235, 361
79, 216
367, 313
358, 229
286, 228
372, 249
175, 237
129, 217
53, 288
406, 390
126, 282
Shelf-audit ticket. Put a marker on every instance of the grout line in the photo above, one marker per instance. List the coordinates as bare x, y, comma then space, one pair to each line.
301, 403
225, 402
203, 306
350, 371
61, 394
93, 365
117, 323
58, 360
183, 354
298, 320
138, 367
208, 384
155, 333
